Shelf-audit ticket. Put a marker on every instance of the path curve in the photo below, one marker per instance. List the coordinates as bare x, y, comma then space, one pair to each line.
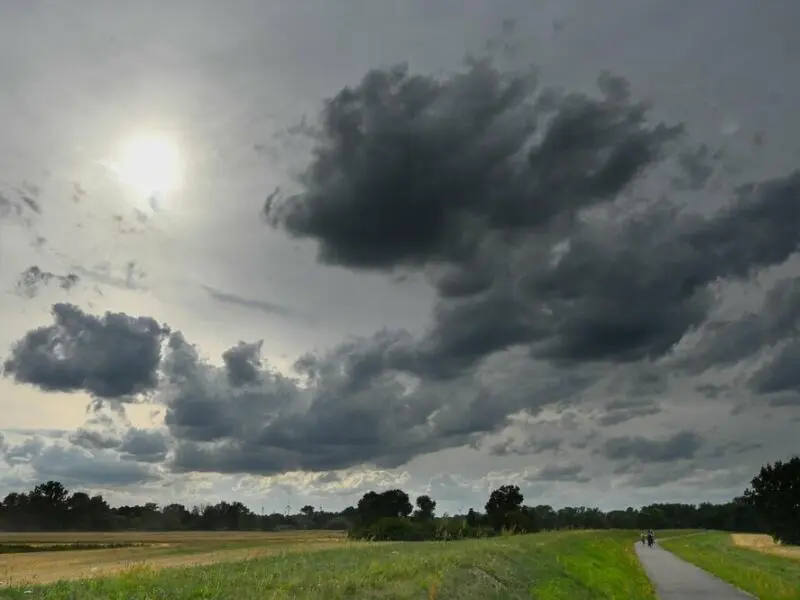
676, 579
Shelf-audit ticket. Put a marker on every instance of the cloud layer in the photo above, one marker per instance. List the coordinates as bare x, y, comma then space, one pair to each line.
533, 214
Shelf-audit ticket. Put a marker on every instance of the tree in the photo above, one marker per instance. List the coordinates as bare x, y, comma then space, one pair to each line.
49, 505
775, 495
391, 503
503, 501
426, 506
473, 518
307, 510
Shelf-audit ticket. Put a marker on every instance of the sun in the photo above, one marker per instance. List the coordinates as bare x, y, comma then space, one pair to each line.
150, 164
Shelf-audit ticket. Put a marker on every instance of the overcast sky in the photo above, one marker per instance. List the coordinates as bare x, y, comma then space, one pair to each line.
289, 252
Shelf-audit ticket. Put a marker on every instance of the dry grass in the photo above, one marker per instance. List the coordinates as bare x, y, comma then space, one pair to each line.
764, 543
155, 550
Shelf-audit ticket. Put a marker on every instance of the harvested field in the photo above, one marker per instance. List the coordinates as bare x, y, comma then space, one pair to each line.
155, 550
764, 543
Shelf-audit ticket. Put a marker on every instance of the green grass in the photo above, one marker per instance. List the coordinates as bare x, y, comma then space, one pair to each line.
766, 576
547, 566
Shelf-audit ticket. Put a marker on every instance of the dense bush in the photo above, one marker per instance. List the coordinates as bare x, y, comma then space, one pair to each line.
404, 529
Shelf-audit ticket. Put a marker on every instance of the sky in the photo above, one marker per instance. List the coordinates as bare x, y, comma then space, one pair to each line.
287, 253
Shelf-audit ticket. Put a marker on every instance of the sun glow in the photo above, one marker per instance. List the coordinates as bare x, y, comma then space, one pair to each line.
150, 164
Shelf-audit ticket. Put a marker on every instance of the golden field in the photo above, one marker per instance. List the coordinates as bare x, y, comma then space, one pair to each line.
764, 543
155, 550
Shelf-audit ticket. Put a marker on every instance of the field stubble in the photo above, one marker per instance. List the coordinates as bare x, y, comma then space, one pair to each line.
765, 543
150, 550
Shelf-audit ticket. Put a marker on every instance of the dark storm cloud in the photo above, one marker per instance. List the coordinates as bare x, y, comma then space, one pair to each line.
409, 169
111, 356
341, 420
682, 445
32, 279
477, 178
636, 294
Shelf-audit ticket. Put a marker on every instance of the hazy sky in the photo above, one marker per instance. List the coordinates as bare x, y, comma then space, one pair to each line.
245, 255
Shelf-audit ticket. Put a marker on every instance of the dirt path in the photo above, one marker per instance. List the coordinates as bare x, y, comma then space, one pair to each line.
675, 579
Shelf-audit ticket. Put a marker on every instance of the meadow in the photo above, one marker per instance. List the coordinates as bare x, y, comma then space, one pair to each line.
751, 562
550, 566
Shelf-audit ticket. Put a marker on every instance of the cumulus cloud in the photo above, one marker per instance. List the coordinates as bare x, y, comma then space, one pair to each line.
110, 356
410, 169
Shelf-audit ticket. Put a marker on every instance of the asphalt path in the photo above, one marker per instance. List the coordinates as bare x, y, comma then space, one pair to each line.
676, 579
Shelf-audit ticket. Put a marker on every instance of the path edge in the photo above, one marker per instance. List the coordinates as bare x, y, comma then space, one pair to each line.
709, 573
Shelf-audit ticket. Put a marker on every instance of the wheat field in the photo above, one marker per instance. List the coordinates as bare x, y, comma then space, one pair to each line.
155, 550
764, 543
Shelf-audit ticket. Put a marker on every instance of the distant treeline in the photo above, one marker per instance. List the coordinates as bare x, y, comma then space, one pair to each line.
768, 506
51, 507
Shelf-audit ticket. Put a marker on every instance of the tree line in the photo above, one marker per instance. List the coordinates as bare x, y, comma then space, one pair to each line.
770, 505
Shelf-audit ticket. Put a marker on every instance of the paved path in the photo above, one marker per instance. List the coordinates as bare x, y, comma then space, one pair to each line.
675, 579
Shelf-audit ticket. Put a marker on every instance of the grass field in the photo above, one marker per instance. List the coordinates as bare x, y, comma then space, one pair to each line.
751, 563
548, 566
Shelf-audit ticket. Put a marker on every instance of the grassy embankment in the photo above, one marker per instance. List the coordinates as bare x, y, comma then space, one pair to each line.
548, 566
750, 562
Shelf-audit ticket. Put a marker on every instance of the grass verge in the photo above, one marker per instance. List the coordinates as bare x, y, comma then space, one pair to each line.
548, 566
766, 576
